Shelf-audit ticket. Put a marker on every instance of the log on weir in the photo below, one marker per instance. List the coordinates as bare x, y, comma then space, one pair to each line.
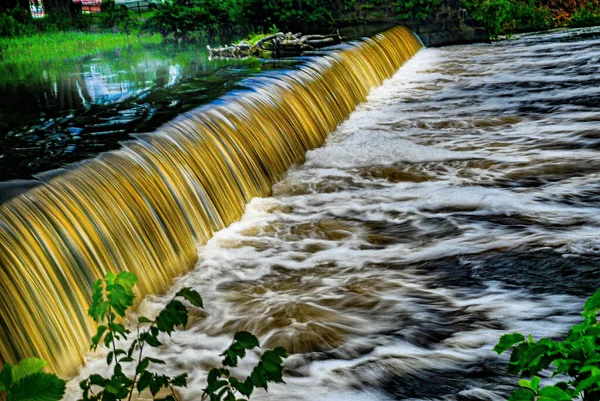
277, 45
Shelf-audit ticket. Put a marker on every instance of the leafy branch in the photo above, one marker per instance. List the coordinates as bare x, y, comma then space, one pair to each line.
222, 386
111, 298
576, 358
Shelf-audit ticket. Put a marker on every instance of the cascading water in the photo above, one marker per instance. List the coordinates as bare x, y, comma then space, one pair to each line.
145, 208
460, 202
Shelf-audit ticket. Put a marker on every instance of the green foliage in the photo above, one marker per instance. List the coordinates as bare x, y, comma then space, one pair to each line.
111, 298
576, 358
113, 16
191, 20
510, 16
206, 18
588, 15
26, 381
222, 386
416, 9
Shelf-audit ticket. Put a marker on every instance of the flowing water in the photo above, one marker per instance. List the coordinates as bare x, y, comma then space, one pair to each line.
460, 202
146, 206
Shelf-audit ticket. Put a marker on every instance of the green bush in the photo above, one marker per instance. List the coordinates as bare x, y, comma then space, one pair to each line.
192, 21
259, 15
509, 16
576, 359
16, 22
208, 18
586, 16
416, 9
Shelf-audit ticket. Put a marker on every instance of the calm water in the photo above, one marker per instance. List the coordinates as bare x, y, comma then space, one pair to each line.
64, 112
462, 201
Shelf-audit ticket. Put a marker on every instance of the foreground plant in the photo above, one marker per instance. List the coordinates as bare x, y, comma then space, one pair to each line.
26, 381
111, 298
223, 386
576, 358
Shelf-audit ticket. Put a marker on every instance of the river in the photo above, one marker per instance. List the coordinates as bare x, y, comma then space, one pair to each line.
459, 203
58, 113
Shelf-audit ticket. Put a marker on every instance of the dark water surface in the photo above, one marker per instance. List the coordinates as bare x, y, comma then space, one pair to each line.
459, 203
58, 113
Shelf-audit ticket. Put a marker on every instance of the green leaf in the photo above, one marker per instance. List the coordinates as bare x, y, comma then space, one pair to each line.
526, 384
119, 328
554, 393
533, 355
592, 305
595, 371
26, 367
144, 319
144, 381
259, 377
191, 296
587, 383
98, 380
517, 358
507, 341
120, 298
98, 307
272, 361
37, 387
126, 279
157, 383
142, 366
150, 340
522, 395
98, 337
245, 388
174, 314
6, 377
246, 340
180, 380
134, 345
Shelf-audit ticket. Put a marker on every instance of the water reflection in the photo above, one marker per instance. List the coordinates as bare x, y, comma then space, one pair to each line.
57, 113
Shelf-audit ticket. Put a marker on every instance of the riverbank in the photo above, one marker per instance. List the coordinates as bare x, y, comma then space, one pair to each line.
438, 22
59, 45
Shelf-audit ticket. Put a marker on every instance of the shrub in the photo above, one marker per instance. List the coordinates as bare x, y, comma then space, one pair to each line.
575, 359
510, 16
586, 16
417, 9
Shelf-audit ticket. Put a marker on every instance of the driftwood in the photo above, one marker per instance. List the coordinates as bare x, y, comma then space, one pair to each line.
277, 45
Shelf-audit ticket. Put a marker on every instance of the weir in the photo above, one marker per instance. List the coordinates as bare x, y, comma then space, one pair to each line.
145, 207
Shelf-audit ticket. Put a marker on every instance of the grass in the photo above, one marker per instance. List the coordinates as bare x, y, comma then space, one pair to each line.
57, 46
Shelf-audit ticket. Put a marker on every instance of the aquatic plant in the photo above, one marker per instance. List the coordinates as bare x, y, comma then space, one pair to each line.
112, 297
576, 359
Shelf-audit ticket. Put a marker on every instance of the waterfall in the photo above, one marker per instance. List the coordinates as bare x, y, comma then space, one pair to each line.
145, 207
